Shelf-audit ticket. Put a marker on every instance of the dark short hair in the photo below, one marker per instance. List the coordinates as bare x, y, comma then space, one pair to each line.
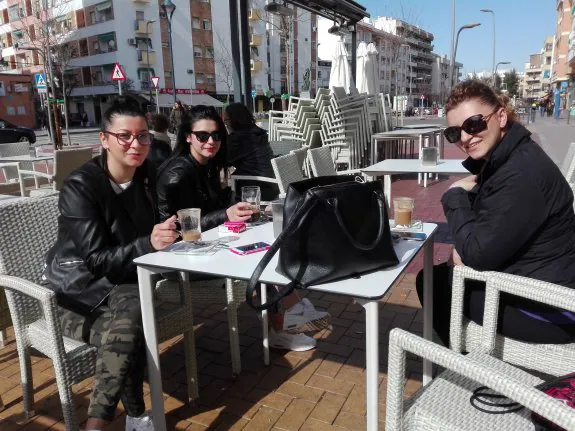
160, 122
121, 106
239, 117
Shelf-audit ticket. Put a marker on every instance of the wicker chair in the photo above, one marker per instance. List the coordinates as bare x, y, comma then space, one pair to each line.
28, 228
65, 162
322, 164
444, 404
465, 335
10, 170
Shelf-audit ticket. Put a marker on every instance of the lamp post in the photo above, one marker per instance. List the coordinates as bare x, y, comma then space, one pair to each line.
495, 70
493, 64
148, 43
410, 69
452, 68
168, 9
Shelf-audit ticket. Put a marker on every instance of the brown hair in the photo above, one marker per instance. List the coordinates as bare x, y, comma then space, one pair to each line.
476, 89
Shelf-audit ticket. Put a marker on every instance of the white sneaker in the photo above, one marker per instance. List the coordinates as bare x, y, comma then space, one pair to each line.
303, 317
293, 342
140, 423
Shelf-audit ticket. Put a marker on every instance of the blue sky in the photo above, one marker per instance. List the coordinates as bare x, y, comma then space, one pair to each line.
521, 27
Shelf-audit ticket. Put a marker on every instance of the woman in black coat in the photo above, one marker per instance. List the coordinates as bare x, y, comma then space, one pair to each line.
108, 217
513, 215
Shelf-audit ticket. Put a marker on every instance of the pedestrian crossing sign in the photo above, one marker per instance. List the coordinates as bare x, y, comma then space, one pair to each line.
118, 73
40, 79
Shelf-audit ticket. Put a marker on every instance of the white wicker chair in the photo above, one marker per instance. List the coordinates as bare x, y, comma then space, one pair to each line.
28, 228
287, 170
444, 404
322, 164
65, 162
10, 170
465, 335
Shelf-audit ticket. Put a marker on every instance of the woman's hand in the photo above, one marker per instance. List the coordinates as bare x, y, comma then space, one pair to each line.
466, 183
455, 259
241, 211
164, 234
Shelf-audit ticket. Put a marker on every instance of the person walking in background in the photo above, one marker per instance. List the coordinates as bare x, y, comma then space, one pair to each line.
249, 150
557, 100
177, 116
161, 147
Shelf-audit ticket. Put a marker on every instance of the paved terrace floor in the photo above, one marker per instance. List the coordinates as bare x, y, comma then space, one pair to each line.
318, 390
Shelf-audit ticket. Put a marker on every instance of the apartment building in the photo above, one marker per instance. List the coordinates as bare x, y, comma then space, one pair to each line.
546, 64
440, 85
17, 99
571, 45
532, 79
561, 69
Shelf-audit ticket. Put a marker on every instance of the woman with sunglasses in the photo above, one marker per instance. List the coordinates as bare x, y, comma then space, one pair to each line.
108, 217
514, 214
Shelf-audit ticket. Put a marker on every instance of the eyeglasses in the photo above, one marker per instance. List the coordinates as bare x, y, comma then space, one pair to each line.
472, 126
204, 137
126, 139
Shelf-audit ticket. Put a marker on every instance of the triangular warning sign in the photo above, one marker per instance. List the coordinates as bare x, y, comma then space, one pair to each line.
155, 81
40, 82
118, 73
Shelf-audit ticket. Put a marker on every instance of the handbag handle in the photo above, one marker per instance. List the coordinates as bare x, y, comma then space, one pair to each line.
270, 253
351, 239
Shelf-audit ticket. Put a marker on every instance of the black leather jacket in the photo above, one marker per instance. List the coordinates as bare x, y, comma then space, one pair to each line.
100, 233
184, 183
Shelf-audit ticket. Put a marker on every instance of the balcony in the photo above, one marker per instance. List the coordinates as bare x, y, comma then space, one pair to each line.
256, 65
141, 26
254, 14
255, 40
146, 57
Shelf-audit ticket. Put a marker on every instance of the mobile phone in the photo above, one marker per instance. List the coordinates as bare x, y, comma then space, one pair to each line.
250, 248
413, 236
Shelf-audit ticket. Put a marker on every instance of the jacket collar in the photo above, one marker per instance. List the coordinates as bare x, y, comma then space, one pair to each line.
516, 135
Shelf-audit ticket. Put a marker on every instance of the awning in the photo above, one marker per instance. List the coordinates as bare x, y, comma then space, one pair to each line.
107, 36
167, 100
145, 69
18, 33
62, 18
108, 66
104, 6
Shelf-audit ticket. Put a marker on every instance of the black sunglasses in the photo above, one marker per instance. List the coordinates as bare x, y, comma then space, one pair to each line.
473, 125
204, 137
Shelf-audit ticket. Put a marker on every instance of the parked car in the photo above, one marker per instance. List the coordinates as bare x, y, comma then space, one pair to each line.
12, 133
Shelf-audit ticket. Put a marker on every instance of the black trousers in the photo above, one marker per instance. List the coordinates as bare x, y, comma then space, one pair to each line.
512, 322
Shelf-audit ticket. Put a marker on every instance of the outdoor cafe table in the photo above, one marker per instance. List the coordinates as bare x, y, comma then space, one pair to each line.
409, 166
398, 134
366, 290
420, 126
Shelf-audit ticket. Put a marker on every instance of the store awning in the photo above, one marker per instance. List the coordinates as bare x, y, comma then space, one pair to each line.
104, 6
167, 100
107, 36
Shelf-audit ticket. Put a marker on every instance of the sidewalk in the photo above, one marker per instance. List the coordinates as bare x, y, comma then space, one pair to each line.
554, 136
73, 131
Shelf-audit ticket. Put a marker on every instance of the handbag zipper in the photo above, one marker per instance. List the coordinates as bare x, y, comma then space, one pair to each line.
69, 262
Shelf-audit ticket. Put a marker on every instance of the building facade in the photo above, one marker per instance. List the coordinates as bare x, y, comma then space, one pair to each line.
561, 69
17, 99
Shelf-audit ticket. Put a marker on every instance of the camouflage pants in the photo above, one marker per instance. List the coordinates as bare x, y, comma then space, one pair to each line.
118, 334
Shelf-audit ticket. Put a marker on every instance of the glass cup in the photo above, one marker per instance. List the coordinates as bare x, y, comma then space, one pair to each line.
403, 209
278, 216
252, 195
190, 224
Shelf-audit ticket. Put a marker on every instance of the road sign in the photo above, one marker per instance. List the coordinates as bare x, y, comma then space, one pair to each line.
118, 73
155, 81
254, 93
272, 100
422, 97
40, 79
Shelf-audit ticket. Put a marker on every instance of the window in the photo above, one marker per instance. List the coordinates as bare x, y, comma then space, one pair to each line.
93, 17
21, 110
319, 74
96, 47
14, 13
197, 51
10, 110
98, 76
209, 52
254, 51
211, 79
207, 24
199, 78
196, 23
140, 15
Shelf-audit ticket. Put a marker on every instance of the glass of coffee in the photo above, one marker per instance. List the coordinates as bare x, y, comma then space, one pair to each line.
252, 195
402, 209
190, 224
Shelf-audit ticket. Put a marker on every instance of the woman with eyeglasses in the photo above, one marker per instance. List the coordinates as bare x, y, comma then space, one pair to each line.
108, 217
514, 214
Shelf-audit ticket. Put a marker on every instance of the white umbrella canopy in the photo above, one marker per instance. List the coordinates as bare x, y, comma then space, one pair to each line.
362, 66
340, 75
372, 70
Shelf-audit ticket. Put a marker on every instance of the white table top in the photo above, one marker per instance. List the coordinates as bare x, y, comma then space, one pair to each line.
227, 264
403, 166
24, 158
404, 132
421, 126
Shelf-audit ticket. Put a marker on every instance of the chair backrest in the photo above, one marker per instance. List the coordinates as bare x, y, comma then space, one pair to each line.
568, 160
301, 154
67, 161
15, 149
28, 228
321, 162
287, 170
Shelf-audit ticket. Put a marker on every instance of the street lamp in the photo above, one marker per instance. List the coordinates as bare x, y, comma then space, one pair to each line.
495, 71
452, 68
493, 64
148, 43
168, 9
410, 70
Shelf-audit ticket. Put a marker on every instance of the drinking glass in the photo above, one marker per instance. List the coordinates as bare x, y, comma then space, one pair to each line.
403, 209
278, 216
190, 224
252, 195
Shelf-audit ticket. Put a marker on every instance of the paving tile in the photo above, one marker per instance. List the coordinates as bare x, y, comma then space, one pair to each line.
295, 415
352, 421
264, 420
330, 385
300, 391
328, 407
313, 424
274, 400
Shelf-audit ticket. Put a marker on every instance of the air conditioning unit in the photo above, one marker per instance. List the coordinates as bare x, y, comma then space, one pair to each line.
190, 70
132, 42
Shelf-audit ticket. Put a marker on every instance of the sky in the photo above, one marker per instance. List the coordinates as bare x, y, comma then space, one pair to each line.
521, 27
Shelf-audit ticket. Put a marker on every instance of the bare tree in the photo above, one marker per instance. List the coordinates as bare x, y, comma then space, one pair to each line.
224, 65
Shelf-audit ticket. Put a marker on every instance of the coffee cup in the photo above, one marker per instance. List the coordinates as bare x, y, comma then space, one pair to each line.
189, 220
402, 210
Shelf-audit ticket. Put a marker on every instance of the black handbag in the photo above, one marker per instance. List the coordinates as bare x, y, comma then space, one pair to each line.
334, 227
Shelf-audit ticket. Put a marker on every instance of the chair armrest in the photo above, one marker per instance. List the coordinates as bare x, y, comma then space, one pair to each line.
24, 173
33, 290
235, 178
401, 341
9, 165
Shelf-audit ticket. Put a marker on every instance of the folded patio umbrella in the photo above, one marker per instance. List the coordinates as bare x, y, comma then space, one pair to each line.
362, 67
372, 70
340, 75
